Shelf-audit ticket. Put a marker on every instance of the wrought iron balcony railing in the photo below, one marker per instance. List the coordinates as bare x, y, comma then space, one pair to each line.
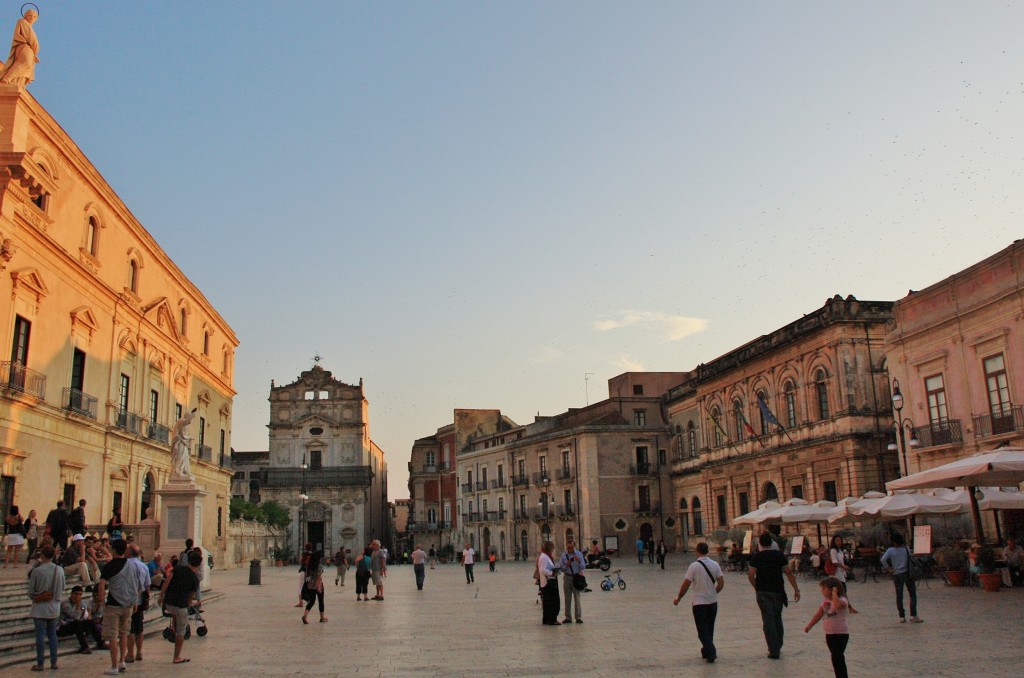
1010, 420
324, 477
948, 432
17, 377
498, 484
643, 469
563, 474
158, 432
205, 453
481, 486
75, 401
649, 508
541, 477
521, 481
129, 422
467, 488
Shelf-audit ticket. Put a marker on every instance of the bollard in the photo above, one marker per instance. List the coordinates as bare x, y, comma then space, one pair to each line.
254, 572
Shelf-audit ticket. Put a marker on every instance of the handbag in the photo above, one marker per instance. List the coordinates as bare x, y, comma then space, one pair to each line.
579, 582
46, 596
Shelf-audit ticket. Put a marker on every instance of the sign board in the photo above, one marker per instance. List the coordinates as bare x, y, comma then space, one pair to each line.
922, 540
748, 541
611, 543
797, 546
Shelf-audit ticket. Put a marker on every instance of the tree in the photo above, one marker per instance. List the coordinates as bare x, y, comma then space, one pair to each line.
275, 515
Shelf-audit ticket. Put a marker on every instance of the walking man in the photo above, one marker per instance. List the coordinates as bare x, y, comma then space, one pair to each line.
119, 582
57, 521
378, 568
571, 564
419, 566
340, 562
135, 633
467, 561
76, 521
897, 559
178, 591
765, 574
705, 576
640, 550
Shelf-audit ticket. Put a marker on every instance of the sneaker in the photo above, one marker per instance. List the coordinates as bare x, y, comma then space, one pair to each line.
84, 650
916, 620
112, 671
903, 620
122, 668
567, 621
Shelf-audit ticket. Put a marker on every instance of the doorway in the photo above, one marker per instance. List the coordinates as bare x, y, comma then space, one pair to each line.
315, 534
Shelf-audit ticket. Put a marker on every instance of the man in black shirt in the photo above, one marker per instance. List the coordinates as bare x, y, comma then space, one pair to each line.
57, 521
765, 574
76, 523
176, 594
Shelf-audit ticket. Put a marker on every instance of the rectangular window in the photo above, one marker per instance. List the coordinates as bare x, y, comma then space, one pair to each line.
722, 517
830, 491
998, 389
483, 506
315, 460
501, 474
662, 457
7, 493
543, 464
791, 409
644, 496
565, 459
797, 492
19, 347
640, 417
483, 475
78, 369
501, 504
202, 431
154, 406
122, 396
744, 503
118, 501
936, 391
470, 503
522, 468
638, 389
223, 449
177, 411
469, 477
220, 521
448, 513
522, 504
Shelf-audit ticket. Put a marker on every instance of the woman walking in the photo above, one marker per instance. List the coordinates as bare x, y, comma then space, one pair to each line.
363, 575
548, 585
307, 555
14, 526
46, 589
313, 586
32, 533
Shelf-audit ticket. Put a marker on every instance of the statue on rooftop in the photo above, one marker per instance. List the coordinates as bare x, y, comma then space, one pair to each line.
20, 68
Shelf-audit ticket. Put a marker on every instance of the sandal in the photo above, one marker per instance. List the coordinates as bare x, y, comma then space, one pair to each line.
323, 620
181, 661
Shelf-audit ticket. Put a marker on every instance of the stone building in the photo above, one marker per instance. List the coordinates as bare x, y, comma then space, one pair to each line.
323, 465
956, 349
823, 379
248, 467
109, 341
598, 472
432, 493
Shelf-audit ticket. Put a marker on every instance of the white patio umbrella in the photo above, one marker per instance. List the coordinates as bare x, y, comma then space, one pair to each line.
756, 516
1003, 467
895, 506
777, 514
818, 512
995, 498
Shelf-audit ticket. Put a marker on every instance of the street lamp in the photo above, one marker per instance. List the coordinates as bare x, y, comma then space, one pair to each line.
902, 426
302, 510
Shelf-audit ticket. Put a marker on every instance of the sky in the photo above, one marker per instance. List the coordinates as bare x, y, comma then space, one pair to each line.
504, 204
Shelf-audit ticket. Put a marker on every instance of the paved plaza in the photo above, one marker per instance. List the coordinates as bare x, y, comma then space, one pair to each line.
492, 628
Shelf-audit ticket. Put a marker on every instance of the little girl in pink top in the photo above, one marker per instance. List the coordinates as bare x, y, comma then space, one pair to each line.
837, 631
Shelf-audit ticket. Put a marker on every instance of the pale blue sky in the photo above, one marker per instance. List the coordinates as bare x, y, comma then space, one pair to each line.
473, 204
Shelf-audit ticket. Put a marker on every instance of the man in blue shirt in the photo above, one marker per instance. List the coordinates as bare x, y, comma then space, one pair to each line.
640, 550
571, 564
897, 559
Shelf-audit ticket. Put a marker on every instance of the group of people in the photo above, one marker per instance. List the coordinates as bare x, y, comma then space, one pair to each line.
59, 527
571, 565
647, 546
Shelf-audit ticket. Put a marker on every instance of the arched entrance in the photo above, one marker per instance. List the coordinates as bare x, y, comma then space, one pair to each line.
146, 500
545, 532
487, 540
646, 532
769, 493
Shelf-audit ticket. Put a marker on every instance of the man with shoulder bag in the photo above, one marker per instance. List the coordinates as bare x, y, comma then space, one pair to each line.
46, 590
905, 573
573, 581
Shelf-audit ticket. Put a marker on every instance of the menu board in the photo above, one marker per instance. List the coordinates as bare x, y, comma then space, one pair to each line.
748, 541
922, 540
797, 547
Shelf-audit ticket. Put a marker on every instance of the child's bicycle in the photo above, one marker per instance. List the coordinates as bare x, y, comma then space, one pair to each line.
608, 584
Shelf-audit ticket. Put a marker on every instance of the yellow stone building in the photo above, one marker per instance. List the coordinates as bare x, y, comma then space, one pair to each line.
108, 341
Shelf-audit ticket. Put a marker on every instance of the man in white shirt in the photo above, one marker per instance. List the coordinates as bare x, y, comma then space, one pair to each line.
467, 561
705, 577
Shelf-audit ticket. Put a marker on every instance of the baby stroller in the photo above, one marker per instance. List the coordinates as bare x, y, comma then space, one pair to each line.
193, 616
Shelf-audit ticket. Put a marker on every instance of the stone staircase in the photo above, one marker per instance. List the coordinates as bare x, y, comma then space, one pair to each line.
17, 633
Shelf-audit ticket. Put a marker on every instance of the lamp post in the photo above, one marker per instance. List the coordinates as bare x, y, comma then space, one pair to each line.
302, 510
902, 425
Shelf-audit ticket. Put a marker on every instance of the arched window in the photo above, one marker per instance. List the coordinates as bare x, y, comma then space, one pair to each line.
762, 396
682, 504
691, 439
737, 413
769, 493
92, 237
133, 276
789, 394
821, 391
716, 426
698, 520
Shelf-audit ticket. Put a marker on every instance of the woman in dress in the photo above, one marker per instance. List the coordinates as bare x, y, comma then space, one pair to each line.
14, 526
313, 586
32, 533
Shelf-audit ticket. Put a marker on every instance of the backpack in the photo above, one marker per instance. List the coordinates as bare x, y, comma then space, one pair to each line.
915, 568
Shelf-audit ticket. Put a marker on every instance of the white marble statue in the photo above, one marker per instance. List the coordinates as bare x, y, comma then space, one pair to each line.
181, 467
20, 68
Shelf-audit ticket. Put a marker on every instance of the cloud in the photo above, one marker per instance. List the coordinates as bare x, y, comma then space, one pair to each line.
628, 364
671, 327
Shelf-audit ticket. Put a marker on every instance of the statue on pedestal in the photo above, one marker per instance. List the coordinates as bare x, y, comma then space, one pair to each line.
20, 68
181, 467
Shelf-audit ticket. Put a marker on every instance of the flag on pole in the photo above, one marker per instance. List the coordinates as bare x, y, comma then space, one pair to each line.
769, 417
748, 428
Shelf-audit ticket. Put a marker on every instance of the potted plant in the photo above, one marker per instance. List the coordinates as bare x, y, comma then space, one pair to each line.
282, 554
989, 577
953, 560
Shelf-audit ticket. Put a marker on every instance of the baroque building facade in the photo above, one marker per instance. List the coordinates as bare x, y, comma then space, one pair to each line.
822, 379
109, 341
322, 464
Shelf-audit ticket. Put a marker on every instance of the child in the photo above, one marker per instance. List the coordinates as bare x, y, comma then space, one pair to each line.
837, 630
491, 559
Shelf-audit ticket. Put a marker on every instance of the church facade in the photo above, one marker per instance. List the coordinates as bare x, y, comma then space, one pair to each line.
322, 464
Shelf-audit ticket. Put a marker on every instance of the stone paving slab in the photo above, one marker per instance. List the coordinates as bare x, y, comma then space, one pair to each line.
492, 628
